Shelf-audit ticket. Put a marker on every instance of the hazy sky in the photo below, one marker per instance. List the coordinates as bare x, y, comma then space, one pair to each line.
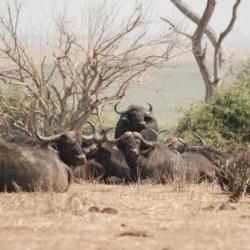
40, 11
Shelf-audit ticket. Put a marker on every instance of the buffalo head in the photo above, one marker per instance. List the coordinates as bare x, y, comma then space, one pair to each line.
132, 144
179, 145
135, 118
69, 146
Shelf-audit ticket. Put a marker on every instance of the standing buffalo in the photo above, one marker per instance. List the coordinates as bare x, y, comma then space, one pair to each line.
135, 118
29, 169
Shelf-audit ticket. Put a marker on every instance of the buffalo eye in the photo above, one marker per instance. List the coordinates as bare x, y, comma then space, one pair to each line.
148, 119
105, 154
137, 142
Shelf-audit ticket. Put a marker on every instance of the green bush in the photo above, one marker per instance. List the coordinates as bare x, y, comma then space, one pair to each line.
224, 121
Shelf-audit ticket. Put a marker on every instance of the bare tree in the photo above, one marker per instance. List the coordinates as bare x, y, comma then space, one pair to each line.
199, 51
79, 71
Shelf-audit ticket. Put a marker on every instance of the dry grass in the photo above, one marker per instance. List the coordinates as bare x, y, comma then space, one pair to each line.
95, 216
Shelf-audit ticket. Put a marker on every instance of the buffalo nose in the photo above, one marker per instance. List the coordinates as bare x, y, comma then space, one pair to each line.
81, 157
142, 123
134, 151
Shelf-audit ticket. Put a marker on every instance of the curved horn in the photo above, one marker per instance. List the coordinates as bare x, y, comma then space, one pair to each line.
117, 140
103, 134
170, 141
116, 110
154, 132
150, 108
93, 134
181, 141
46, 138
92, 126
147, 143
199, 139
162, 131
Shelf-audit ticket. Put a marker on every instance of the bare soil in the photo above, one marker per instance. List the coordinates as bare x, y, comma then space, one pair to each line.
96, 216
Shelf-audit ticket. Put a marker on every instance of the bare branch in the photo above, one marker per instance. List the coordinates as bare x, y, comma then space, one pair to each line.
79, 70
204, 28
221, 38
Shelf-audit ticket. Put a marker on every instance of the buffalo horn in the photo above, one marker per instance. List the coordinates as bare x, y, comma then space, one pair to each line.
162, 131
181, 141
117, 140
199, 139
145, 142
150, 108
116, 110
92, 136
47, 138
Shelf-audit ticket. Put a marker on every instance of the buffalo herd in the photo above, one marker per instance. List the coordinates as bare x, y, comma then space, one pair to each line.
135, 154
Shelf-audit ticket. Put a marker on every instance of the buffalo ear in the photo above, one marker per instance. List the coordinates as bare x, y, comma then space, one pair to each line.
145, 152
120, 145
124, 117
105, 154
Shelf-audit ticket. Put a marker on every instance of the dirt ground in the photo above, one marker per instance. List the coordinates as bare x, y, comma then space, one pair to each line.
96, 216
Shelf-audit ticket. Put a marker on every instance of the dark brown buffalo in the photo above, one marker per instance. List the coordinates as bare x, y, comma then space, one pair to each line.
179, 145
68, 144
135, 118
25, 168
149, 134
201, 167
229, 163
148, 160
91, 170
200, 161
155, 161
104, 160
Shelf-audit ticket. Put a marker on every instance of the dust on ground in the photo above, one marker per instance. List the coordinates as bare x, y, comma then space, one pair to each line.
98, 216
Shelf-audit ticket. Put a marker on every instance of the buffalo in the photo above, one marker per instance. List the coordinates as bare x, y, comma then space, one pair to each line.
148, 160
155, 161
135, 118
104, 161
228, 163
201, 166
68, 144
25, 168
202, 162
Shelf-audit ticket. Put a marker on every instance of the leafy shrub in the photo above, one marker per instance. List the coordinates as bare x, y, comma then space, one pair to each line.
224, 121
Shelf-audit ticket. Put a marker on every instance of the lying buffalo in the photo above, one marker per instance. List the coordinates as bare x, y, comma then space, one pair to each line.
68, 144
135, 118
232, 164
30, 169
207, 168
104, 161
155, 161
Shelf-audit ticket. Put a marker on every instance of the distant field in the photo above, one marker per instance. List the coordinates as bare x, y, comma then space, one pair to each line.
172, 89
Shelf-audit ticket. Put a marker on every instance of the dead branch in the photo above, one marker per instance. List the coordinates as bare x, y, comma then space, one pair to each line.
80, 71
199, 52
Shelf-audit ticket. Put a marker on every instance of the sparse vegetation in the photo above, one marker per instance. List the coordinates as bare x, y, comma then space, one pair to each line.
237, 176
91, 216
